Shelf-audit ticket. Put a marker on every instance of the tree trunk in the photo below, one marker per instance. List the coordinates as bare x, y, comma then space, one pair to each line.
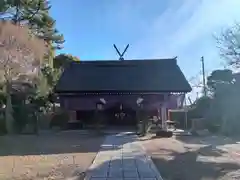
8, 114
36, 125
9, 109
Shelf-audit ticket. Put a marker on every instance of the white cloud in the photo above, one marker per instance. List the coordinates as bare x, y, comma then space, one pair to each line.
186, 30
208, 17
181, 25
182, 28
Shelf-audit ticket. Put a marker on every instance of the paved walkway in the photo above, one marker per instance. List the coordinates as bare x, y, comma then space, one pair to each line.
122, 157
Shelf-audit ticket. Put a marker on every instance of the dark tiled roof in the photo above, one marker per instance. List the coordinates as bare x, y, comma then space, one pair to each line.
129, 75
236, 76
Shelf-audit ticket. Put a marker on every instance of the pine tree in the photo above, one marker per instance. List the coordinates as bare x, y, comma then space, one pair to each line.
18, 55
45, 29
62, 60
35, 13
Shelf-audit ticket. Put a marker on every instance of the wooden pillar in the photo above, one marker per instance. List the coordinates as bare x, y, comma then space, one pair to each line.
164, 112
164, 116
72, 116
159, 115
99, 116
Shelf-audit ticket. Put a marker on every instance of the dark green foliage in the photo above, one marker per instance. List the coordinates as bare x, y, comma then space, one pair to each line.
200, 108
22, 11
52, 97
25, 109
220, 111
26, 113
51, 77
2, 98
2, 123
219, 80
26, 105
47, 31
21, 117
60, 120
2, 95
38, 102
20, 112
220, 76
213, 127
62, 60
35, 13
48, 73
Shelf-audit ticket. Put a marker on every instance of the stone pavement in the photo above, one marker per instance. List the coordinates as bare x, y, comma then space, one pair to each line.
122, 157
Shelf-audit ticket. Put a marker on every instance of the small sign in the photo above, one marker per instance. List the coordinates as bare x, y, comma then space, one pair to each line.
103, 100
139, 100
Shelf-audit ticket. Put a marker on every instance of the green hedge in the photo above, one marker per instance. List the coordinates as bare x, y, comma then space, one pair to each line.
60, 119
20, 114
2, 124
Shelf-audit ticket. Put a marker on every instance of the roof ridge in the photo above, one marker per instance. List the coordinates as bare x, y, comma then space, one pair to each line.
131, 61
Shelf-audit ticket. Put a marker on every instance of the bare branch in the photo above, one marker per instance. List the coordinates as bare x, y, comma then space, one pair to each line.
229, 45
20, 51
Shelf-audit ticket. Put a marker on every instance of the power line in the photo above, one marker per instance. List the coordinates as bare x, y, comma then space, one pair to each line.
203, 76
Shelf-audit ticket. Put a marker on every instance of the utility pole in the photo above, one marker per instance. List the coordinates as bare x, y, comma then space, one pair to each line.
203, 76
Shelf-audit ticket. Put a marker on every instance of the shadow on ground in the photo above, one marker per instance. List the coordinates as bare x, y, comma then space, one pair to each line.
58, 143
197, 165
216, 140
54, 143
130, 168
53, 155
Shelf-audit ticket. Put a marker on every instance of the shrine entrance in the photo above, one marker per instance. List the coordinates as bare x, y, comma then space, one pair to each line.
120, 115
116, 115
119, 110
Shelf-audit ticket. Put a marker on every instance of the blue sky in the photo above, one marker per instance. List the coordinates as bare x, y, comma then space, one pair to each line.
153, 28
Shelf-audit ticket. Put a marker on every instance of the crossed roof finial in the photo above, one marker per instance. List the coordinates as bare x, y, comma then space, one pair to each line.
121, 54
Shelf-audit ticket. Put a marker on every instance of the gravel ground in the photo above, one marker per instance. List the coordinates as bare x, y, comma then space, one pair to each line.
193, 159
54, 156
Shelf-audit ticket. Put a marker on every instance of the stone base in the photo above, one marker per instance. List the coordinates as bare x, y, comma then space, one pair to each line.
163, 133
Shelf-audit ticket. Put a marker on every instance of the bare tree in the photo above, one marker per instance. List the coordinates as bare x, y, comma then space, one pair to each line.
20, 53
229, 45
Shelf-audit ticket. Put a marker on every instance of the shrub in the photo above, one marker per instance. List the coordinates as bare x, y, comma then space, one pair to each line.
59, 119
213, 128
2, 124
21, 117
